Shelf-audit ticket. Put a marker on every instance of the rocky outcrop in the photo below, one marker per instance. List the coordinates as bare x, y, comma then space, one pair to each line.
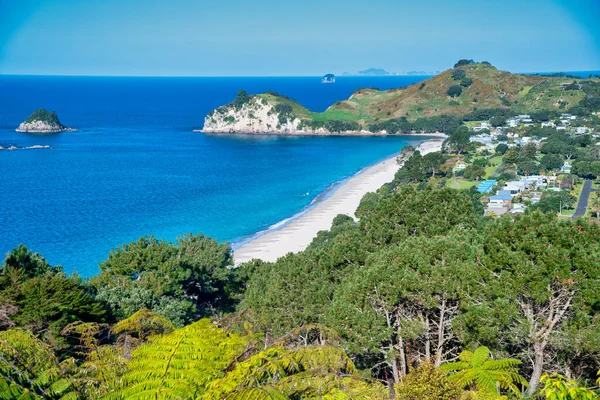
255, 116
42, 121
260, 116
41, 127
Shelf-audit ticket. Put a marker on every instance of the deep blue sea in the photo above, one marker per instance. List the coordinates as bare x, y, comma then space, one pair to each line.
136, 168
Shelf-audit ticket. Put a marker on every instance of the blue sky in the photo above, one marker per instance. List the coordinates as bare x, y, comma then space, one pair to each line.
308, 37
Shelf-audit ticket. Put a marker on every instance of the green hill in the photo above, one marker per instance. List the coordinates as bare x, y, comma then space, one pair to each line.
459, 92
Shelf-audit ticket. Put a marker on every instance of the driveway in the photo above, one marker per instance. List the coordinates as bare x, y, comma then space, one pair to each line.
583, 199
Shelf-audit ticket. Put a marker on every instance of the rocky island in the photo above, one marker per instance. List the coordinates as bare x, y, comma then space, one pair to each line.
42, 121
468, 92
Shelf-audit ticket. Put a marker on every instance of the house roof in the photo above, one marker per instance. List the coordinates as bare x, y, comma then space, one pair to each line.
502, 197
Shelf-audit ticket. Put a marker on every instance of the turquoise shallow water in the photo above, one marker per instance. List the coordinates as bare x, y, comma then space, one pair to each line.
136, 168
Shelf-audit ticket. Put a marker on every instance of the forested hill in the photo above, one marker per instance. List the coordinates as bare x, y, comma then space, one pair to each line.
470, 91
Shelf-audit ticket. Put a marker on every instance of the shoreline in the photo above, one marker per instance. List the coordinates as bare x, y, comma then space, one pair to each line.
301, 133
294, 234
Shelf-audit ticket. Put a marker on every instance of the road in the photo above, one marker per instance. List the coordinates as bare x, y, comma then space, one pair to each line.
583, 199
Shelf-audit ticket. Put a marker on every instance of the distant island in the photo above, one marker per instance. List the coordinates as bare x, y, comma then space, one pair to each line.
42, 121
471, 91
329, 78
374, 72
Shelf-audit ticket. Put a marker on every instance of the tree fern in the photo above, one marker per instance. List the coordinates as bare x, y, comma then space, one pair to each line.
143, 323
477, 369
180, 364
30, 370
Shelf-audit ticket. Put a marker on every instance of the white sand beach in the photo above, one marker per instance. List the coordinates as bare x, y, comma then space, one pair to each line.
297, 234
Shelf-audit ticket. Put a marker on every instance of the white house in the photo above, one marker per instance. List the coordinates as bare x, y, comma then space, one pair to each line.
548, 124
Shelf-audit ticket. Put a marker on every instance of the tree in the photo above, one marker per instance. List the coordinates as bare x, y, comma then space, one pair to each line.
537, 271
32, 264
553, 202
502, 148
595, 205
551, 161
474, 172
477, 369
457, 143
498, 121
529, 151
181, 281
408, 293
433, 161
466, 82
454, 91
528, 167
511, 157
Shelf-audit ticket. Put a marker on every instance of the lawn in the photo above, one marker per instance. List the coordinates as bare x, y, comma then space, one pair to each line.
458, 183
494, 161
577, 193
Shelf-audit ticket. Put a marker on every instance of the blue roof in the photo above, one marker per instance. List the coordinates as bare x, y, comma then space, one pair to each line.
503, 193
502, 197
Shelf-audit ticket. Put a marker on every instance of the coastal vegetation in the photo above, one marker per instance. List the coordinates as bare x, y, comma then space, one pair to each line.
469, 89
43, 115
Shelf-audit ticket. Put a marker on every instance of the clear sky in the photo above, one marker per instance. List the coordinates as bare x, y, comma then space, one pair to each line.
307, 37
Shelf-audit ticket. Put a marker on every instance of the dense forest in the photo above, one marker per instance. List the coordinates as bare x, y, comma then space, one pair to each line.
421, 298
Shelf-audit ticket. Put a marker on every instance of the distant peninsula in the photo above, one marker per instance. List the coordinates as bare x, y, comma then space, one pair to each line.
42, 121
470, 91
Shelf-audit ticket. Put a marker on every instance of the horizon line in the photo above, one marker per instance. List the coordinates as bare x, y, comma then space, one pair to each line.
265, 76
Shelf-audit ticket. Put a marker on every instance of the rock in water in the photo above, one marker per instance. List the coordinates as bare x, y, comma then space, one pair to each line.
42, 121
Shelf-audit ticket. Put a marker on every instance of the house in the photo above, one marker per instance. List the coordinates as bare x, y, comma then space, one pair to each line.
517, 208
459, 167
548, 124
566, 168
534, 180
512, 122
581, 130
486, 186
561, 128
535, 197
515, 187
495, 211
500, 201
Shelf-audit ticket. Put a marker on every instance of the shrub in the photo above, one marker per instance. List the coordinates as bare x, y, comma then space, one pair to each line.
458, 74
454, 91
466, 82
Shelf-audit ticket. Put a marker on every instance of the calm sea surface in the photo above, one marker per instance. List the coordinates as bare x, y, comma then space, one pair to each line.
136, 168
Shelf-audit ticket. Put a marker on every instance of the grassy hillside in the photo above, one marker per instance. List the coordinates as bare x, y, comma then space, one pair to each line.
476, 87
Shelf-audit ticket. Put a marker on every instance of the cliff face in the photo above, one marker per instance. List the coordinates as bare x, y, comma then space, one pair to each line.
255, 116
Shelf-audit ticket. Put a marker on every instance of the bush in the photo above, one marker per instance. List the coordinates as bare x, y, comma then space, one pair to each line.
454, 91
463, 62
466, 82
427, 383
458, 74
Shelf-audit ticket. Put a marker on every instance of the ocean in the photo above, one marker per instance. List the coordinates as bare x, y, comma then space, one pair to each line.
136, 168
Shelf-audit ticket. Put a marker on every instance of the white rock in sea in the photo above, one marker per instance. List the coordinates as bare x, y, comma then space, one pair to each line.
40, 127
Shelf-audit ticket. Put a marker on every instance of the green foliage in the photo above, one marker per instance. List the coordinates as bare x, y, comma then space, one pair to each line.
466, 82
454, 91
557, 387
484, 373
552, 202
43, 115
180, 364
143, 323
502, 148
241, 99
462, 62
29, 369
550, 162
458, 74
181, 281
43, 298
428, 383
